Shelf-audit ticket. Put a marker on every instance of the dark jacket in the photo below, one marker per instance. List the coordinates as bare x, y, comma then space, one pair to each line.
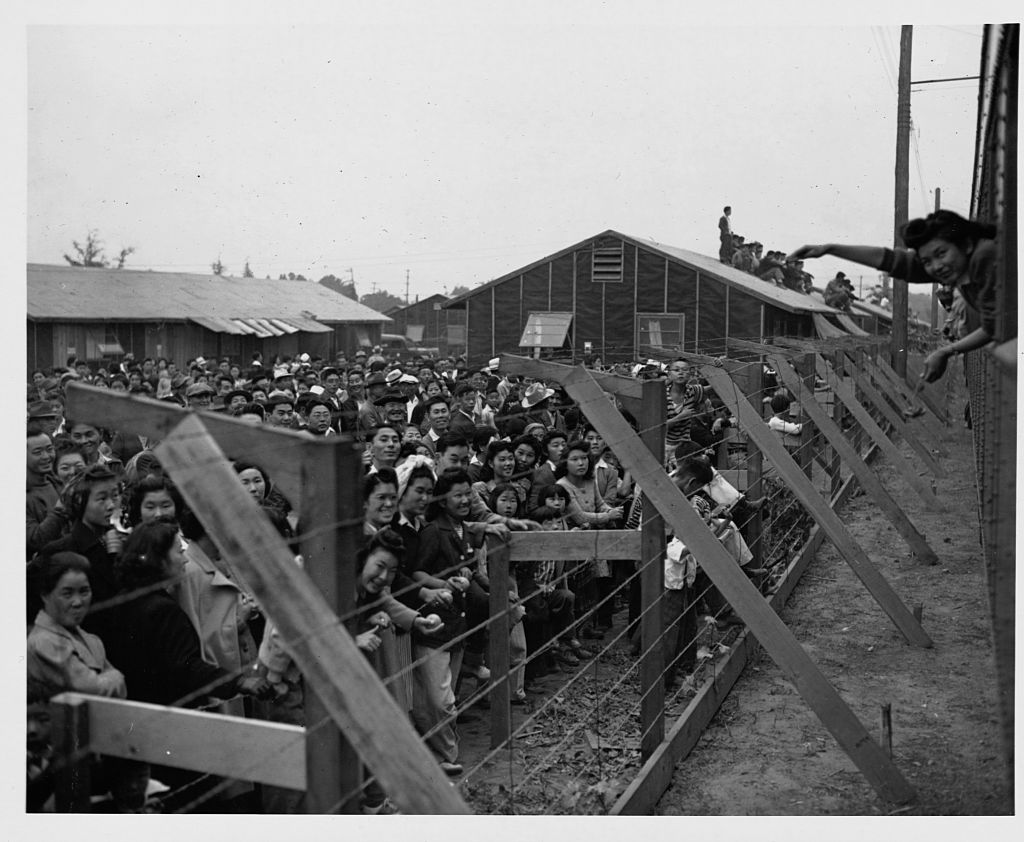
442, 553
42, 523
158, 651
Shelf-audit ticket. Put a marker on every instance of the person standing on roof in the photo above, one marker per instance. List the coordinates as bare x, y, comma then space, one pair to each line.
725, 236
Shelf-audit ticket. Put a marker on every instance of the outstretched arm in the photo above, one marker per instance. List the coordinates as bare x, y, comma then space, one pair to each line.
865, 255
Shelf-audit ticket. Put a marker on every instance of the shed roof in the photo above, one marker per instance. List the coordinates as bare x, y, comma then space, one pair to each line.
69, 293
436, 298
781, 297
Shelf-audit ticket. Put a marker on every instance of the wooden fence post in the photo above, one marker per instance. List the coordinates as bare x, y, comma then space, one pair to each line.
652, 580
331, 532
498, 650
837, 416
805, 366
753, 530
72, 780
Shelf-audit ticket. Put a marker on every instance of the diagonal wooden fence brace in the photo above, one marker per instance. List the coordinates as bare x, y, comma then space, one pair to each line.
741, 594
927, 393
899, 424
818, 507
844, 392
156, 419
889, 379
326, 654
865, 476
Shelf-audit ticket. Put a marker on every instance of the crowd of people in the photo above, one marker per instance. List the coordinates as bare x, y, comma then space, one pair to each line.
129, 597
750, 257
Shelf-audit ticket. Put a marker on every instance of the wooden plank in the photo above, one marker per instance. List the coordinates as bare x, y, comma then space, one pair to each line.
845, 393
72, 760
327, 655
891, 384
819, 509
645, 790
230, 746
331, 528
272, 448
738, 590
936, 416
498, 641
652, 572
627, 389
899, 425
574, 546
753, 530
938, 406
871, 484
805, 365
738, 478
835, 463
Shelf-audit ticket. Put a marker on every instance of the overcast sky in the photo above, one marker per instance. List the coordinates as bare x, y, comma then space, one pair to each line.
462, 146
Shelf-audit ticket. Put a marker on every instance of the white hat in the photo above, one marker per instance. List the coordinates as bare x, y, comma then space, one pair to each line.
535, 394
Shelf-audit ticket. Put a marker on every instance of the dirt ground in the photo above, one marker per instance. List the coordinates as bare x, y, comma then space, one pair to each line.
766, 753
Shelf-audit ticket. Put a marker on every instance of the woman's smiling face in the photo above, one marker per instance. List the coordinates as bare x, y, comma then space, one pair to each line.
944, 261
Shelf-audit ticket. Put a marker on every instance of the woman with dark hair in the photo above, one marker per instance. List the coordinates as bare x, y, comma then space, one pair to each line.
942, 248
588, 510
498, 468
60, 654
527, 452
157, 647
380, 497
257, 482
92, 500
152, 497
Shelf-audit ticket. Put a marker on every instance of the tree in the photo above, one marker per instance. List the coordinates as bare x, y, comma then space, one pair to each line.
381, 301
247, 272
123, 256
291, 276
457, 291
346, 288
90, 254
217, 267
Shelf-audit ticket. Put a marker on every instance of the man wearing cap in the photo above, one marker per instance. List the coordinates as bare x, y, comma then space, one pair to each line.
393, 407
45, 416
463, 419
369, 415
236, 400
199, 396
283, 380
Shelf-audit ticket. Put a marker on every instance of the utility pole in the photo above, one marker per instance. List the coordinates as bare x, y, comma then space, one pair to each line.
898, 348
406, 287
935, 287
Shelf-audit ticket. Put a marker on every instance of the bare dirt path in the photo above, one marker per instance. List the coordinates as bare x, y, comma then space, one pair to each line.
767, 754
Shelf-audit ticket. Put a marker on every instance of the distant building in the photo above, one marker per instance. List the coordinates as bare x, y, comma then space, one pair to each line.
623, 298
100, 314
426, 323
